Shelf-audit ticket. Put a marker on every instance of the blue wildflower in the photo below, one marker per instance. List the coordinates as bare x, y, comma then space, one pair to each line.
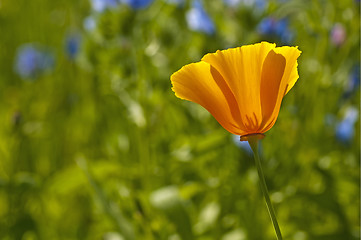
26, 61
260, 4
72, 45
101, 5
137, 4
267, 26
283, 31
31, 61
198, 19
355, 78
257, 4
353, 83
276, 28
89, 23
244, 145
345, 129
176, 2
232, 3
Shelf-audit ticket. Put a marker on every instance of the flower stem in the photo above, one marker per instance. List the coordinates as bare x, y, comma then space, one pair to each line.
253, 142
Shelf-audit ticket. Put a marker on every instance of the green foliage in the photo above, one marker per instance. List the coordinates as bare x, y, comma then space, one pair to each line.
100, 148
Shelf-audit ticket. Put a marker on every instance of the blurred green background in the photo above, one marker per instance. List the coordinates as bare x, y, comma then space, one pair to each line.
94, 144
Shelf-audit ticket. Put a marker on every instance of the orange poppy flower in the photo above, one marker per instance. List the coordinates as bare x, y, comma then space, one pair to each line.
241, 87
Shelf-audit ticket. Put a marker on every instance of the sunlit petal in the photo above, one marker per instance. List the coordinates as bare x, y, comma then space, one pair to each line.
241, 68
289, 79
272, 73
290, 75
201, 83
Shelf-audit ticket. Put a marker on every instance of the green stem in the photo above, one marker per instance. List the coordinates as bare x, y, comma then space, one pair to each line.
253, 142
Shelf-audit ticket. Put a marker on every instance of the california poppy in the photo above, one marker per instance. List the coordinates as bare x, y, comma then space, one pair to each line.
241, 87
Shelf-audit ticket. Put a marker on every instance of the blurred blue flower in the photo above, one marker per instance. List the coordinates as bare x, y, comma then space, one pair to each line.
198, 19
176, 2
244, 145
101, 5
89, 23
345, 129
31, 61
276, 28
137, 4
232, 3
353, 83
72, 45
260, 4
338, 34
355, 77
267, 26
256, 4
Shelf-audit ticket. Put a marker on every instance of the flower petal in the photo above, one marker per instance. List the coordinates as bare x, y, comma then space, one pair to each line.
201, 83
289, 79
272, 72
290, 75
241, 68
